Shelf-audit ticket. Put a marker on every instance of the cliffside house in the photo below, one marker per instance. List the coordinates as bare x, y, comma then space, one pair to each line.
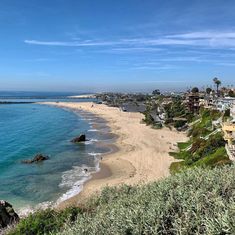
229, 134
193, 100
225, 103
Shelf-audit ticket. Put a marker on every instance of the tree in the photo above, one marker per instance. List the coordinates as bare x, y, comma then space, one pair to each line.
231, 93
156, 92
217, 83
208, 90
195, 90
227, 113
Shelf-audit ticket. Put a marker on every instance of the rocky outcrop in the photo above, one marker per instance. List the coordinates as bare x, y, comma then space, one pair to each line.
7, 214
38, 158
79, 139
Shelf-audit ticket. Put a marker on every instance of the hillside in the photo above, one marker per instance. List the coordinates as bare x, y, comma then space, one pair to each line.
192, 202
205, 147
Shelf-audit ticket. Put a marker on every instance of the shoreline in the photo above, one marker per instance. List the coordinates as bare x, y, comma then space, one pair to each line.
141, 156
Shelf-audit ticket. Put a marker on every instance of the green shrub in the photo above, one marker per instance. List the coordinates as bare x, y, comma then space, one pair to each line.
190, 117
193, 202
168, 121
176, 108
179, 123
183, 145
157, 126
219, 157
202, 148
226, 115
196, 145
177, 167
197, 132
148, 119
45, 221
211, 145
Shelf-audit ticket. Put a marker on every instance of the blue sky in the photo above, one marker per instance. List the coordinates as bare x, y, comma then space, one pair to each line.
125, 45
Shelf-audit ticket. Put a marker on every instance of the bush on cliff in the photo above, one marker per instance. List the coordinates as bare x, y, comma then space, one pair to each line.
193, 202
45, 221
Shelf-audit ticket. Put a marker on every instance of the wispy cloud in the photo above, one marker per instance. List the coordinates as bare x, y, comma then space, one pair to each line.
73, 43
226, 64
35, 74
127, 42
206, 39
184, 59
134, 49
158, 41
162, 67
40, 59
45, 43
204, 35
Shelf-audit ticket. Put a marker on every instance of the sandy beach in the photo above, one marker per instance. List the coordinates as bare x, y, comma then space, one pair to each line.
142, 154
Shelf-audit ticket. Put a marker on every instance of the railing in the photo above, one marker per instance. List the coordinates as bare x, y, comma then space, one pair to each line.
205, 138
192, 123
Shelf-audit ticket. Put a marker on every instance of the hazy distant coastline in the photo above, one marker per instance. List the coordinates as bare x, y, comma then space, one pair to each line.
86, 96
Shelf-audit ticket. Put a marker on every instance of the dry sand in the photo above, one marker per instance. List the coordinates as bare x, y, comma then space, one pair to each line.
142, 154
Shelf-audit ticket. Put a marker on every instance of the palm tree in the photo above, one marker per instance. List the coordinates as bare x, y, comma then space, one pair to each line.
217, 83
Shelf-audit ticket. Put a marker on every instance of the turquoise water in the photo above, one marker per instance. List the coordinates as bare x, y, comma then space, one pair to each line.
28, 129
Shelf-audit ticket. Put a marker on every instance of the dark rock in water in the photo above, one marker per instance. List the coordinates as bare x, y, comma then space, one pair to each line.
78, 139
7, 214
38, 158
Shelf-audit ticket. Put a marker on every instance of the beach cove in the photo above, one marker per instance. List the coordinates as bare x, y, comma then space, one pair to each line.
142, 155
31, 129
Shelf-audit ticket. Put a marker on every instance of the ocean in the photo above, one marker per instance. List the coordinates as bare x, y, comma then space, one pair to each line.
28, 129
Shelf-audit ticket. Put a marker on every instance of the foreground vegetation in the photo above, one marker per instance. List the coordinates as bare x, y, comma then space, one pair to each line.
193, 202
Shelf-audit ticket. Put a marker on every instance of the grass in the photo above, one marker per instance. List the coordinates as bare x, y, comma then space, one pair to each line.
217, 158
176, 167
184, 145
182, 155
192, 202
206, 153
45, 222
204, 127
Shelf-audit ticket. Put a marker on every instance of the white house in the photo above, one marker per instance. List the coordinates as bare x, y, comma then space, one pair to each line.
225, 103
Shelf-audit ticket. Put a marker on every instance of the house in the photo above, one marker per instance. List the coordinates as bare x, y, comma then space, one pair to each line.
193, 100
210, 101
225, 103
232, 111
229, 134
